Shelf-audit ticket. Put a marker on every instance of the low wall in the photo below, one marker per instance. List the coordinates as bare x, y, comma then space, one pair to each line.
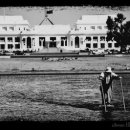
61, 72
55, 56
8, 57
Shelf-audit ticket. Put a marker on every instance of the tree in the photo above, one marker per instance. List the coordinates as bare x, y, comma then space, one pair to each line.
118, 31
127, 32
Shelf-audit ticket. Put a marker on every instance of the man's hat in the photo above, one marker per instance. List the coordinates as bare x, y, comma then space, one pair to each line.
108, 69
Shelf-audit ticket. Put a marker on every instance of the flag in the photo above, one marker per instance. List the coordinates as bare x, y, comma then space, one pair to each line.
49, 12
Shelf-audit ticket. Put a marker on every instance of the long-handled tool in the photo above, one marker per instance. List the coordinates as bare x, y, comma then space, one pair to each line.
122, 95
103, 96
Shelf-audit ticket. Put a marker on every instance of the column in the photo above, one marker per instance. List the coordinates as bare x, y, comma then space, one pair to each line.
42, 43
25, 46
113, 45
106, 43
68, 41
33, 43
21, 43
36, 43
6, 46
13, 43
91, 43
71, 42
99, 43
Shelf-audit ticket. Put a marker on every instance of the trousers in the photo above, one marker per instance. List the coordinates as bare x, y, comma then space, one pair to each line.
106, 94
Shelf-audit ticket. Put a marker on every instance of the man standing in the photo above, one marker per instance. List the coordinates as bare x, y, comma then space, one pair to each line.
106, 78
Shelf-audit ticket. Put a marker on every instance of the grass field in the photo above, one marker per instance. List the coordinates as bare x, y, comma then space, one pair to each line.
89, 63
61, 97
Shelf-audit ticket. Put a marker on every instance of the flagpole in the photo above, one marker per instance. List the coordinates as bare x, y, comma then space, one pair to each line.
46, 13
4, 13
46, 16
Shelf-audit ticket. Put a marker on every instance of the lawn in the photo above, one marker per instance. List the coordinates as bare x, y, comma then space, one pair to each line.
60, 97
88, 63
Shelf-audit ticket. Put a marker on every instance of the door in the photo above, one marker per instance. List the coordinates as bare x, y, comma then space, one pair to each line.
76, 42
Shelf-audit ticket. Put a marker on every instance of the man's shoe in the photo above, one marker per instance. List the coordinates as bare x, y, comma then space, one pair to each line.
107, 103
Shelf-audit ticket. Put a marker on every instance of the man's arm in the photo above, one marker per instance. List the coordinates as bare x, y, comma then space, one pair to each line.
115, 76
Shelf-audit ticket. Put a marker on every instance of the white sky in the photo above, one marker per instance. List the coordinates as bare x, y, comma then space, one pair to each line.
62, 14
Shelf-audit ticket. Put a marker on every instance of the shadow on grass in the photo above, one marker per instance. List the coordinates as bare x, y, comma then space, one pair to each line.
42, 97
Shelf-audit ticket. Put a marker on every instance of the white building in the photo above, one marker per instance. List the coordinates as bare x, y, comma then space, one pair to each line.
12, 29
89, 32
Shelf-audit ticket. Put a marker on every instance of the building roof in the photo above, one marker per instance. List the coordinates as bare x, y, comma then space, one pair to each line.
88, 32
93, 19
52, 29
7, 20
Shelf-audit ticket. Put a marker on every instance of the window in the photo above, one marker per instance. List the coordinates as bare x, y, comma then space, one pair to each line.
84, 28
102, 45
53, 42
88, 39
92, 27
2, 46
95, 38
110, 45
10, 39
77, 42
29, 42
102, 38
23, 40
63, 41
10, 46
11, 28
17, 46
88, 45
94, 45
99, 27
53, 38
4, 28
17, 39
41, 41
116, 45
2, 39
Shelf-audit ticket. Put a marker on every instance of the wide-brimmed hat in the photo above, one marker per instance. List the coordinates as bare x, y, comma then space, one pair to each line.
108, 69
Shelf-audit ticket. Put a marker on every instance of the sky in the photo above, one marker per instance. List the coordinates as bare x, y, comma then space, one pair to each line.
62, 14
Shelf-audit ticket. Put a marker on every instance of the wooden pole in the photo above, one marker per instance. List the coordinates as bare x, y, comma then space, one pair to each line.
104, 98
123, 95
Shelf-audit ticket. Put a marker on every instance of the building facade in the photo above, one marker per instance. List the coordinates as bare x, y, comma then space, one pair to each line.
89, 32
12, 29
51, 37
